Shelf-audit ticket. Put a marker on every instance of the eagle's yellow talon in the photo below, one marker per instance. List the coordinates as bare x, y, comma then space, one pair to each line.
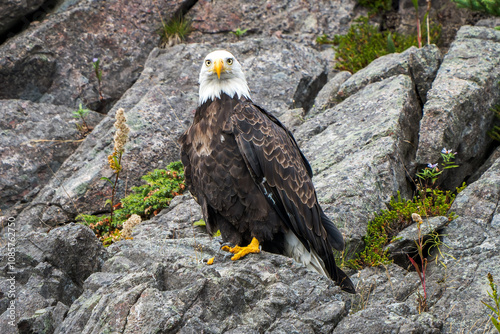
211, 261
240, 252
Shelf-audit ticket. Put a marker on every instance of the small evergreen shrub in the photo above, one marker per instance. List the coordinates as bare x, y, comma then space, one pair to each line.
488, 6
146, 201
364, 43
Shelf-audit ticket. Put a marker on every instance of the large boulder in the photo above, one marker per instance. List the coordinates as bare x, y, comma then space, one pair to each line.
457, 114
419, 64
361, 151
473, 243
43, 274
35, 139
159, 282
295, 20
52, 61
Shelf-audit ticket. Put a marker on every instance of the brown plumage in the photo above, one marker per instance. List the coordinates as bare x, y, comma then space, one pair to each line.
251, 179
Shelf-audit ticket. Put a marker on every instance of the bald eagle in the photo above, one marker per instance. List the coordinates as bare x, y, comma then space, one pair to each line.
250, 178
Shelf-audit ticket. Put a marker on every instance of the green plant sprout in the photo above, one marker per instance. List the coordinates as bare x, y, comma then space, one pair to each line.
432, 171
487, 6
391, 47
174, 31
98, 73
435, 241
201, 222
495, 317
419, 33
239, 33
83, 128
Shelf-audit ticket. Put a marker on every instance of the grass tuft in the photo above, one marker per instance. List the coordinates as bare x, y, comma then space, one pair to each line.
174, 31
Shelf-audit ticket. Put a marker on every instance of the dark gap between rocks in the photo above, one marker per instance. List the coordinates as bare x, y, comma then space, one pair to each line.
37, 15
401, 259
307, 90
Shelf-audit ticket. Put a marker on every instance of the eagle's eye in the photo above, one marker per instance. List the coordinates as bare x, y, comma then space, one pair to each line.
208, 62
230, 61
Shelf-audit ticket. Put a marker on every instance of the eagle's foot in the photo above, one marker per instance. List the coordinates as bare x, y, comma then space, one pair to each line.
240, 252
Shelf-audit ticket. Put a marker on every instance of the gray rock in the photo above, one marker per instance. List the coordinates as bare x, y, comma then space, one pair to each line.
43, 320
159, 107
292, 118
489, 22
52, 61
49, 271
13, 11
382, 304
389, 319
292, 20
361, 157
171, 222
484, 167
420, 64
457, 114
155, 284
473, 243
35, 139
325, 98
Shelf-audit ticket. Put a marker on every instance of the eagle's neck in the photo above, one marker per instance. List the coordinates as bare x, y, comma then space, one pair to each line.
211, 88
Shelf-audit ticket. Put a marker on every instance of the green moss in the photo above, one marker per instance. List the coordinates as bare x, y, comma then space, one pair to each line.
386, 225
81, 189
135, 121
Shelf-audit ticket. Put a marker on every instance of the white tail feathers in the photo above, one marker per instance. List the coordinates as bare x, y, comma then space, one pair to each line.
296, 250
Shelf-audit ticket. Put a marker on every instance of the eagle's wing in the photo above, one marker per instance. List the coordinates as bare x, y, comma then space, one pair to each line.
284, 177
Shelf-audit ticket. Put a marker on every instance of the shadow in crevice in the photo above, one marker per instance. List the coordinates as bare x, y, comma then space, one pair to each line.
25, 21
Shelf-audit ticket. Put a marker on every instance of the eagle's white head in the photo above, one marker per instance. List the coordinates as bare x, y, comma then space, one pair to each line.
221, 73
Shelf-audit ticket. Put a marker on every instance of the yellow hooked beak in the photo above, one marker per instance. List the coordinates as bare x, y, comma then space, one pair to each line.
219, 67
